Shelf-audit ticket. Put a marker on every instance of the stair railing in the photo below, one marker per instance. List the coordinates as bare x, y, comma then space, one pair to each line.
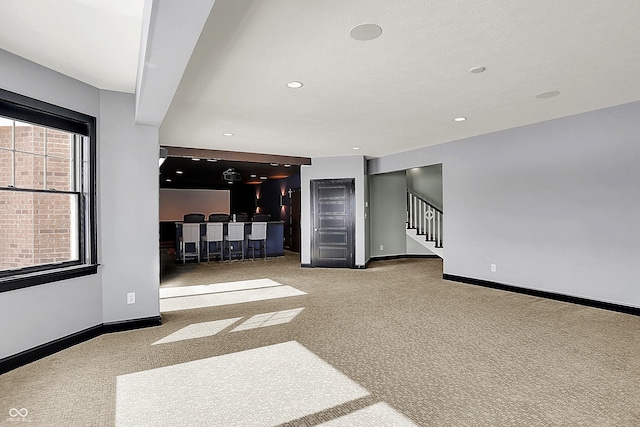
425, 218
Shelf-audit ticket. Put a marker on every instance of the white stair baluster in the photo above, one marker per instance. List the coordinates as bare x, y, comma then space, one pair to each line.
419, 203
438, 230
416, 214
425, 219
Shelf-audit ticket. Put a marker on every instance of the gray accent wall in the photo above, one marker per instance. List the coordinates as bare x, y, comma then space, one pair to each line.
388, 208
415, 248
367, 216
127, 211
426, 182
554, 205
388, 211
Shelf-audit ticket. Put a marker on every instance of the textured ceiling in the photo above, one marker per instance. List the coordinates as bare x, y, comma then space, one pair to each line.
94, 41
402, 90
398, 92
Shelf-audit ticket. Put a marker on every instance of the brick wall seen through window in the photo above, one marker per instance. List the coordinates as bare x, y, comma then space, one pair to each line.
37, 227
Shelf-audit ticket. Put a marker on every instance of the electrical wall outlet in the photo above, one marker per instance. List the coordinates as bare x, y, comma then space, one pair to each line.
493, 268
131, 298
382, 247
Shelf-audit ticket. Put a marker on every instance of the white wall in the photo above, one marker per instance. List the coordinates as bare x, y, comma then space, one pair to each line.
334, 168
40, 314
554, 205
127, 203
129, 230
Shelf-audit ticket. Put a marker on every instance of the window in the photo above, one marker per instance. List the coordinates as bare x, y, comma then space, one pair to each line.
47, 192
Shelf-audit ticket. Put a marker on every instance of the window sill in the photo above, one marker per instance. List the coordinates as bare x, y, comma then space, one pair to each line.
48, 276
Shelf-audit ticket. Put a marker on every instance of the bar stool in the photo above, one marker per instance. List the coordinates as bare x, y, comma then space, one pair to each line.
190, 236
258, 234
214, 235
235, 233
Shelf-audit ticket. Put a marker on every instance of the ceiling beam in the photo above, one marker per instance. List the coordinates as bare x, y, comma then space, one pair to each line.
170, 31
236, 156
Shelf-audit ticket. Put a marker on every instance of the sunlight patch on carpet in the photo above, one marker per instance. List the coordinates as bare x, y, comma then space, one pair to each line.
268, 319
182, 291
379, 414
185, 298
198, 330
265, 386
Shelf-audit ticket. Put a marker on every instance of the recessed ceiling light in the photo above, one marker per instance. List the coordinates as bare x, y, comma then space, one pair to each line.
356, 148
227, 134
548, 94
287, 166
459, 119
168, 179
294, 85
195, 160
365, 32
230, 182
253, 175
263, 177
273, 164
212, 160
179, 172
477, 70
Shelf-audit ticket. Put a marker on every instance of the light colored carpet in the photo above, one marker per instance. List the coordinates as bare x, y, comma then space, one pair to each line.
422, 349
379, 414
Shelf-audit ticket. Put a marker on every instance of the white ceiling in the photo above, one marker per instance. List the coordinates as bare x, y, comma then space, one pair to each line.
94, 41
395, 93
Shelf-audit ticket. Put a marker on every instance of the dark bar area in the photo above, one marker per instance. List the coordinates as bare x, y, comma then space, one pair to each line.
274, 242
212, 190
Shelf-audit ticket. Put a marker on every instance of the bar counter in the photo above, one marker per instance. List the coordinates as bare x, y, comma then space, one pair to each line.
275, 238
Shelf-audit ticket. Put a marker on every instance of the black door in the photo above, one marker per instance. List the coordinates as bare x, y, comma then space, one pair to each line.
333, 222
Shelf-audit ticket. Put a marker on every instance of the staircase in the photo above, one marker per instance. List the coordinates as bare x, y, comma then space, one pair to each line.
424, 223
